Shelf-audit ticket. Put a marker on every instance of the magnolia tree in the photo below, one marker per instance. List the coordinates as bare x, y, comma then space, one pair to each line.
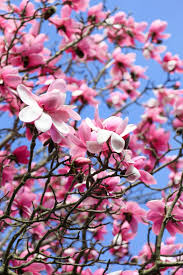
76, 186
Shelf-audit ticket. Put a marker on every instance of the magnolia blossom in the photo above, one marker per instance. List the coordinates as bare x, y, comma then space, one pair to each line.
47, 111
113, 128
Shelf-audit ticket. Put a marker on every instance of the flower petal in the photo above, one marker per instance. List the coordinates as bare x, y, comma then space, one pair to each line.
72, 114
55, 134
132, 174
58, 84
29, 114
129, 128
44, 123
91, 124
117, 143
146, 177
61, 126
26, 96
52, 101
103, 135
93, 147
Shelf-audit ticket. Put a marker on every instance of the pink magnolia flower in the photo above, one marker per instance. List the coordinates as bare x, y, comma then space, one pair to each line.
34, 268
65, 24
114, 128
132, 214
7, 167
9, 78
135, 170
155, 114
84, 94
23, 202
121, 62
157, 212
172, 63
78, 141
22, 154
77, 5
153, 51
25, 7
155, 31
47, 111
96, 13
30, 52
157, 138
124, 30
117, 99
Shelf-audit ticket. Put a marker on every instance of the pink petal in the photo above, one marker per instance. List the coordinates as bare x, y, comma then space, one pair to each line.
103, 136
93, 147
44, 123
13, 80
97, 118
156, 205
29, 114
52, 101
117, 143
84, 131
55, 134
60, 115
58, 84
156, 227
35, 59
26, 96
72, 113
146, 177
122, 126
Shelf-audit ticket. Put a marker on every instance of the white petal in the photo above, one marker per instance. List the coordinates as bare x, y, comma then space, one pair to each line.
171, 65
117, 143
91, 124
61, 127
26, 96
29, 114
77, 93
43, 123
116, 273
132, 174
93, 147
103, 136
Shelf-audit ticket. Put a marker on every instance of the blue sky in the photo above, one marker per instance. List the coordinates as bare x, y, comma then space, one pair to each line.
148, 10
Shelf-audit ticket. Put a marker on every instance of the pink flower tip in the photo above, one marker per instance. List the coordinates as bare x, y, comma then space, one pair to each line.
22, 154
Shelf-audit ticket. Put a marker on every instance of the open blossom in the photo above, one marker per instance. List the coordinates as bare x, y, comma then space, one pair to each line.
117, 99
132, 214
172, 63
30, 52
153, 51
157, 212
155, 31
113, 128
122, 62
47, 111
77, 5
9, 78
